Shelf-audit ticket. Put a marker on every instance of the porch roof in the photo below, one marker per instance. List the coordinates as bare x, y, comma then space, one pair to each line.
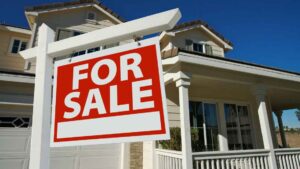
231, 64
225, 78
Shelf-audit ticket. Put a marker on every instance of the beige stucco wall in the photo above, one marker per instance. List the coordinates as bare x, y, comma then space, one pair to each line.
8, 60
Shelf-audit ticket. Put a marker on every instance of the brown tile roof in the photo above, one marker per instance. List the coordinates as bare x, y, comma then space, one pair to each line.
199, 22
71, 3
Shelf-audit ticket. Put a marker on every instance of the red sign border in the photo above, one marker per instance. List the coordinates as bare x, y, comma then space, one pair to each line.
161, 134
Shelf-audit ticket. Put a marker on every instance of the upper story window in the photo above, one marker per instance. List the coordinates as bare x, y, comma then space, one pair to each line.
200, 47
66, 33
17, 45
91, 16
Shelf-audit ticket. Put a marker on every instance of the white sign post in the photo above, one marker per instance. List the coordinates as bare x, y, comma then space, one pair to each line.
47, 50
40, 137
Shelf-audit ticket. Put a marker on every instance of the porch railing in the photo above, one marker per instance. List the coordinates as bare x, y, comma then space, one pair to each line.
247, 159
168, 159
288, 158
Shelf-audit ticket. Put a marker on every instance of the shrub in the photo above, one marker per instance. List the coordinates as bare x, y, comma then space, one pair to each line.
175, 140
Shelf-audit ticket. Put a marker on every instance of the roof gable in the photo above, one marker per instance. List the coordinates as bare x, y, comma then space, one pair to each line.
35, 10
200, 24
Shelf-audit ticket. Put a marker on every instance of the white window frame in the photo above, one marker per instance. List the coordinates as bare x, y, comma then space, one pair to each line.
12, 42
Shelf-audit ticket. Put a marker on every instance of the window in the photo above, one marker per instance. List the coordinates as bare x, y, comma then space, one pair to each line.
238, 127
110, 45
17, 45
15, 122
66, 33
204, 126
91, 16
93, 50
76, 33
198, 47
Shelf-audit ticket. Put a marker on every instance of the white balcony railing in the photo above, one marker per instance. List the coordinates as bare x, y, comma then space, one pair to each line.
288, 158
168, 159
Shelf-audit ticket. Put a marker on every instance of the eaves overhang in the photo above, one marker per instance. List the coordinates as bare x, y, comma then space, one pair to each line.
232, 65
19, 77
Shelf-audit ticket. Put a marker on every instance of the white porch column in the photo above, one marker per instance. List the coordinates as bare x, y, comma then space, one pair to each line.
260, 93
183, 82
125, 156
281, 129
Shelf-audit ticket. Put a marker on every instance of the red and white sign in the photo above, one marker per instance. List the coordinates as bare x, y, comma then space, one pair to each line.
111, 96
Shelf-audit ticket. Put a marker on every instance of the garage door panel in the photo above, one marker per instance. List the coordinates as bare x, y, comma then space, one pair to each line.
99, 162
100, 147
63, 149
14, 140
13, 163
62, 163
13, 144
14, 153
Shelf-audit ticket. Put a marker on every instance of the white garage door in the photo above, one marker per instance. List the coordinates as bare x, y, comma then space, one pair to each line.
15, 146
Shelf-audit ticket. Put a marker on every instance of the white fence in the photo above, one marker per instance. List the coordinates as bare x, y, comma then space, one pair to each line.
168, 159
288, 158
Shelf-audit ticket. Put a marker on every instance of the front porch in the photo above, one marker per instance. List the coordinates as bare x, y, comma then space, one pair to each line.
224, 113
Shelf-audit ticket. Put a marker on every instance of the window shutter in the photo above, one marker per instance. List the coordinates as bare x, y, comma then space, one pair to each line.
208, 50
189, 44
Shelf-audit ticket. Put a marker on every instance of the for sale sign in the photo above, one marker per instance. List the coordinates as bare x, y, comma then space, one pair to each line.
111, 96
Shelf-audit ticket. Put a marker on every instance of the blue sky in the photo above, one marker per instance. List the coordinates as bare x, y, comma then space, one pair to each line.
265, 32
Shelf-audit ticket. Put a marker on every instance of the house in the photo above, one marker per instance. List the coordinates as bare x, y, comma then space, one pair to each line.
220, 110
